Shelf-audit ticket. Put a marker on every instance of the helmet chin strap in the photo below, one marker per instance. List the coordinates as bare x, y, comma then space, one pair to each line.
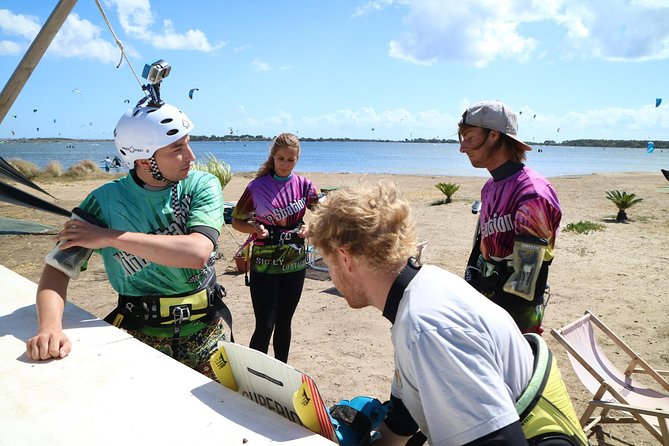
157, 175
155, 171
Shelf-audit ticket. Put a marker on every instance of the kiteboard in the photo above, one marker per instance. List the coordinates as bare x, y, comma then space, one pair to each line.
665, 173
274, 385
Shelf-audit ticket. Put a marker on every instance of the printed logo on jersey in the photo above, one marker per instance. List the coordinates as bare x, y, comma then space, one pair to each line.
293, 208
496, 224
132, 264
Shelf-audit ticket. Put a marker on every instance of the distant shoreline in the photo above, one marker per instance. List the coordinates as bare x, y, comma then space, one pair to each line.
629, 144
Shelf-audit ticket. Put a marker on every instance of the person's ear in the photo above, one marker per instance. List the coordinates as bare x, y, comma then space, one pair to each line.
143, 164
494, 135
345, 259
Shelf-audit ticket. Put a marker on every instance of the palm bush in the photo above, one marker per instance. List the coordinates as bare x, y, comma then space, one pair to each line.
623, 201
220, 169
448, 189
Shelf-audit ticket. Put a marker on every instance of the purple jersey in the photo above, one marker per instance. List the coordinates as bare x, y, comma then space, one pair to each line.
524, 203
276, 202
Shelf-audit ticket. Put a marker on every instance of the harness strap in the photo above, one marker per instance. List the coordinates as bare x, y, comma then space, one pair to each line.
135, 312
397, 289
278, 235
283, 235
146, 310
540, 373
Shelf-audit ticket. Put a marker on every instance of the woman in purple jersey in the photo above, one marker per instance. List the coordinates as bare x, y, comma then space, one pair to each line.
272, 210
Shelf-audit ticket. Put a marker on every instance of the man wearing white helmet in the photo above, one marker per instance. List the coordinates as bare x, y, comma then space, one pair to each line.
157, 230
519, 220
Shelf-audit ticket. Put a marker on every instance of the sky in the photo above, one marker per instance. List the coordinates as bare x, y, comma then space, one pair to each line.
371, 69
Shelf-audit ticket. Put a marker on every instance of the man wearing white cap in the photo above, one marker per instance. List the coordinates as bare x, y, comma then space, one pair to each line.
519, 219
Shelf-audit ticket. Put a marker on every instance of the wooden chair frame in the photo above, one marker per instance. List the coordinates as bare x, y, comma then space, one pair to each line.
613, 390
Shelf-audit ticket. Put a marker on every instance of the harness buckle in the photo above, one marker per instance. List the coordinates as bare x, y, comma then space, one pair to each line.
285, 237
181, 314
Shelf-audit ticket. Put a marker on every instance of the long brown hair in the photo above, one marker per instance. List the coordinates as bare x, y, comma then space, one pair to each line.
283, 141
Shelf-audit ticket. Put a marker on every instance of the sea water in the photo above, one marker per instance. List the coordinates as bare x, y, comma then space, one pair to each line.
364, 157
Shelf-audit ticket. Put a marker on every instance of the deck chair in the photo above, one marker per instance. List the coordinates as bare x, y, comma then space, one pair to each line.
613, 390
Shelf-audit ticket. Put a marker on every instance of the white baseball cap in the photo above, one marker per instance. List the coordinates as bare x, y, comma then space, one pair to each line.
494, 115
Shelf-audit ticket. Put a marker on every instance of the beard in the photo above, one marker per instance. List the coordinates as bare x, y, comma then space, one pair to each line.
354, 293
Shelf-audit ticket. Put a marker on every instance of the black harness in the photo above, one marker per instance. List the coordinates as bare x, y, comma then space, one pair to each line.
135, 312
283, 235
397, 289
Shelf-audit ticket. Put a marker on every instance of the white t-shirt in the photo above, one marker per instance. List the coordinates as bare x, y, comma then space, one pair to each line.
460, 360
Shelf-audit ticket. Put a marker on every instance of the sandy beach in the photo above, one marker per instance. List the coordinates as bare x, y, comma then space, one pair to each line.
619, 273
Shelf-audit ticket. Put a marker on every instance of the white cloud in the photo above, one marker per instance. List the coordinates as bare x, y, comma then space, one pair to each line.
617, 30
611, 123
260, 66
366, 117
82, 39
375, 6
18, 25
282, 119
8, 47
76, 38
23, 27
477, 32
136, 19
625, 123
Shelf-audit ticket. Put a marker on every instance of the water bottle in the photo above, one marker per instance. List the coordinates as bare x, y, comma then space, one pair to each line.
69, 261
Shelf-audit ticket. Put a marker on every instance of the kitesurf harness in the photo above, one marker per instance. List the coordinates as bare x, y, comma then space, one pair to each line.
488, 276
278, 236
282, 235
135, 312
544, 408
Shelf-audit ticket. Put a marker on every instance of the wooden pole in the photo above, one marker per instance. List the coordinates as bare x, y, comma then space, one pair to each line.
32, 57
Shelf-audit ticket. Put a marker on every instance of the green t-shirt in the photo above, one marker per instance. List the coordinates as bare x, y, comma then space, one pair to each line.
124, 205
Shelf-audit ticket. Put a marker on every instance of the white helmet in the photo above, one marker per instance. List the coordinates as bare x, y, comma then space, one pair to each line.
146, 128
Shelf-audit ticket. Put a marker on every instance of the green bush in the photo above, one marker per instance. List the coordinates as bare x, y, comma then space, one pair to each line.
623, 201
583, 227
447, 189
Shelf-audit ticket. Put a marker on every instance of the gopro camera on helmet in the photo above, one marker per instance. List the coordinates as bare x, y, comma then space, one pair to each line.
156, 72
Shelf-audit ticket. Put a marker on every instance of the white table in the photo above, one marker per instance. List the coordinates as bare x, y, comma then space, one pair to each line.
115, 390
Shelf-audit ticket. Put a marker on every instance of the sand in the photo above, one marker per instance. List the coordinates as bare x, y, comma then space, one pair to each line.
619, 273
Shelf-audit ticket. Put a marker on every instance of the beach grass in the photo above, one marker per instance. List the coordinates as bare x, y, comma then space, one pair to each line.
84, 170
